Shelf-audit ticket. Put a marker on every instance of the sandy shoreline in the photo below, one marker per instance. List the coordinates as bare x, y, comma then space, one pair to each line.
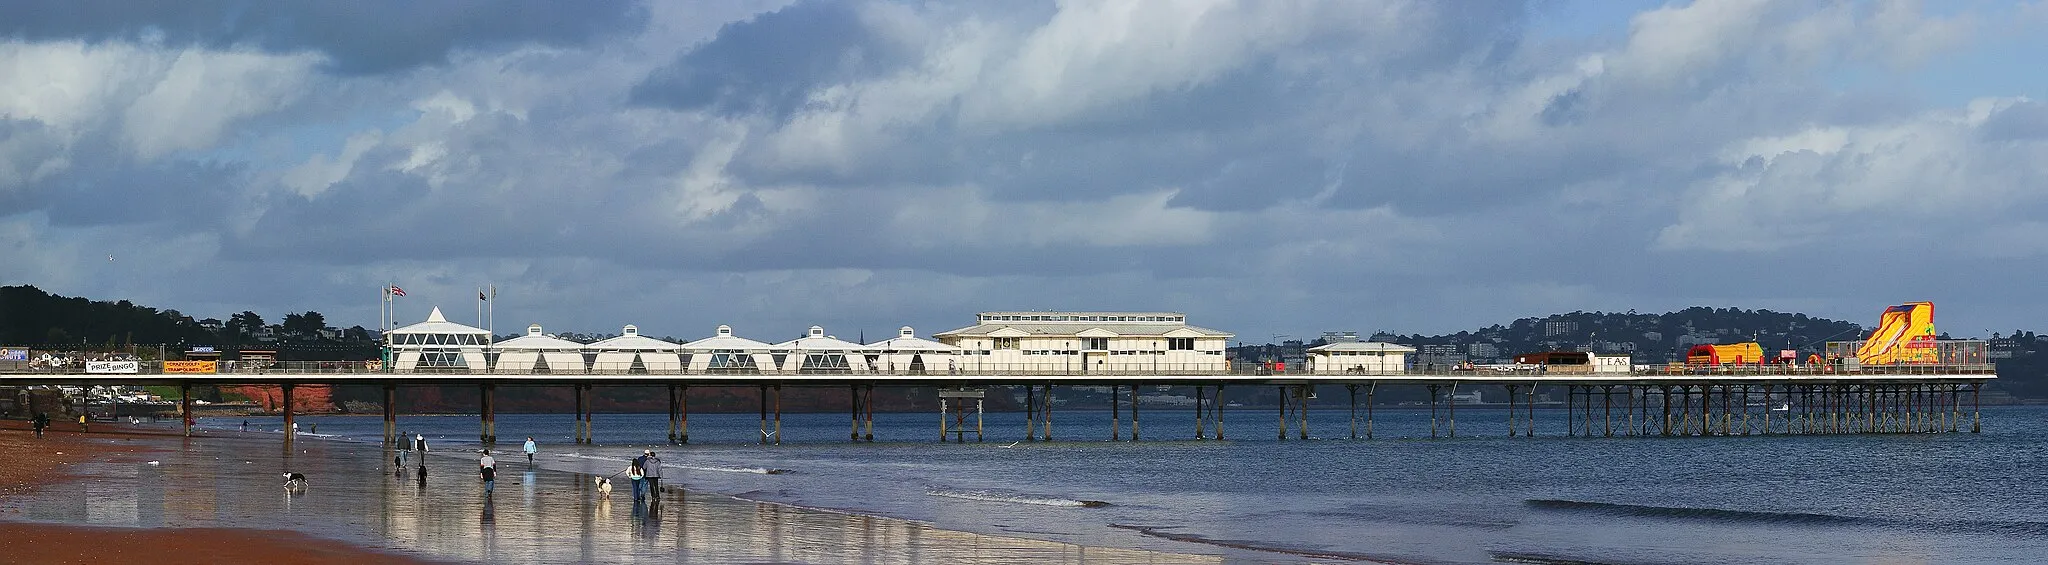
221, 492
40, 464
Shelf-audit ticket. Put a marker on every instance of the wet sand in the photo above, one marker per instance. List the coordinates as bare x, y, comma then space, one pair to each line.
229, 485
51, 463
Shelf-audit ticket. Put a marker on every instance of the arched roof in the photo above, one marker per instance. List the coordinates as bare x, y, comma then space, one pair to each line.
724, 340
438, 324
631, 340
816, 340
536, 340
906, 340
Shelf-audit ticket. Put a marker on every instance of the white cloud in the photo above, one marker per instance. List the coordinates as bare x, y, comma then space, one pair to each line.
1898, 183
1264, 164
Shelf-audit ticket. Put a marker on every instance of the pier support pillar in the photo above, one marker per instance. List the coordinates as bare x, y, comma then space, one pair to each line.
853, 412
1352, 389
1200, 416
1571, 393
1432, 413
1453, 411
1031, 410
1370, 389
1512, 430
1976, 409
1218, 402
675, 413
185, 406
1528, 411
1134, 412
1116, 415
486, 415
1666, 430
1606, 410
867, 404
391, 415
1045, 415
589, 414
290, 433
764, 415
582, 414
1301, 412
1284, 404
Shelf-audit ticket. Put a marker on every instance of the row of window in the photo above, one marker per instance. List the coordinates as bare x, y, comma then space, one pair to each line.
1076, 318
1099, 343
972, 352
437, 339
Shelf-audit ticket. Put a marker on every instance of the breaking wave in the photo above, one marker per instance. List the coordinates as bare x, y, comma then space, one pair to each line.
1014, 498
753, 470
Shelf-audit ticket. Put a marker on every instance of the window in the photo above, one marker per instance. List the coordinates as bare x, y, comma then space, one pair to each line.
1180, 343
1098, 343
1007, 342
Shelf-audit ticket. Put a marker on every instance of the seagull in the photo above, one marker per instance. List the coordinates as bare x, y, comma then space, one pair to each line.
154, 463
1012, 444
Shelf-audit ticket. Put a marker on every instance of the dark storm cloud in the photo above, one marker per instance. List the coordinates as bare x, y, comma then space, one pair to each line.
770, 64
2022, 121
370, 36
176, 196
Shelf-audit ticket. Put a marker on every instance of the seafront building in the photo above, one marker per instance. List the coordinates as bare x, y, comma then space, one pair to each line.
437, 345
1085, 342
816, 352
909, 354
631, 352
538, 352
1369, 357
724, 352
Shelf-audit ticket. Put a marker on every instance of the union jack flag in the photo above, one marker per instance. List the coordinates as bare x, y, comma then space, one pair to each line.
395, 291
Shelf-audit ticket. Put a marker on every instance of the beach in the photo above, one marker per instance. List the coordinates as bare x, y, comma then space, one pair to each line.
218, 499
39, 465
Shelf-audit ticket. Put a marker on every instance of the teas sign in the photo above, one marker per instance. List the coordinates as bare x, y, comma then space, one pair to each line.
191, 367
114, 367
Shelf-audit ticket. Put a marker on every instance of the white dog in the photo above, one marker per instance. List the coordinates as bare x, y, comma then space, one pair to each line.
294, 482
604, 488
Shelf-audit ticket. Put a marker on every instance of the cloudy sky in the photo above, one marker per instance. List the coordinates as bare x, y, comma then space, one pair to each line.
1267, 167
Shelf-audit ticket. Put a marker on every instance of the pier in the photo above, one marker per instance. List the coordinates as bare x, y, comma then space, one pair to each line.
1663, 401
1901, 379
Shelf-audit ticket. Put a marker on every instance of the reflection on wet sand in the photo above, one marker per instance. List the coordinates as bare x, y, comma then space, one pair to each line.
556, 517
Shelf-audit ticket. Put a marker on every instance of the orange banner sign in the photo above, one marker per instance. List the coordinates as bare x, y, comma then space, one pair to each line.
191, 367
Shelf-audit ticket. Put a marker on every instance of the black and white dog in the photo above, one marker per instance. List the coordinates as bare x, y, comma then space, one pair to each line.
294, 482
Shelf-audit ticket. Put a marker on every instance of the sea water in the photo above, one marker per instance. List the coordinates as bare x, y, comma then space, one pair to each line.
1400, 497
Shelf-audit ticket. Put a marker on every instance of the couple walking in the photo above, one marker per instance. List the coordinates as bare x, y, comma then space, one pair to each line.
645, 471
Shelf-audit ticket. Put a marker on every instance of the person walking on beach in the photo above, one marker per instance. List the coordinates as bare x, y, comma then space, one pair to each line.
245, 425
650, 467
488, 467
81, 423
419, 443
638, 475
42, 420
530, 449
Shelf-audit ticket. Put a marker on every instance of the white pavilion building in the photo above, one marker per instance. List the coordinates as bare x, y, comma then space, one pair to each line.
437, 345
1371, 358
538, 352
727, 353
634, 353
816, 352
908, 354
1088, 342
